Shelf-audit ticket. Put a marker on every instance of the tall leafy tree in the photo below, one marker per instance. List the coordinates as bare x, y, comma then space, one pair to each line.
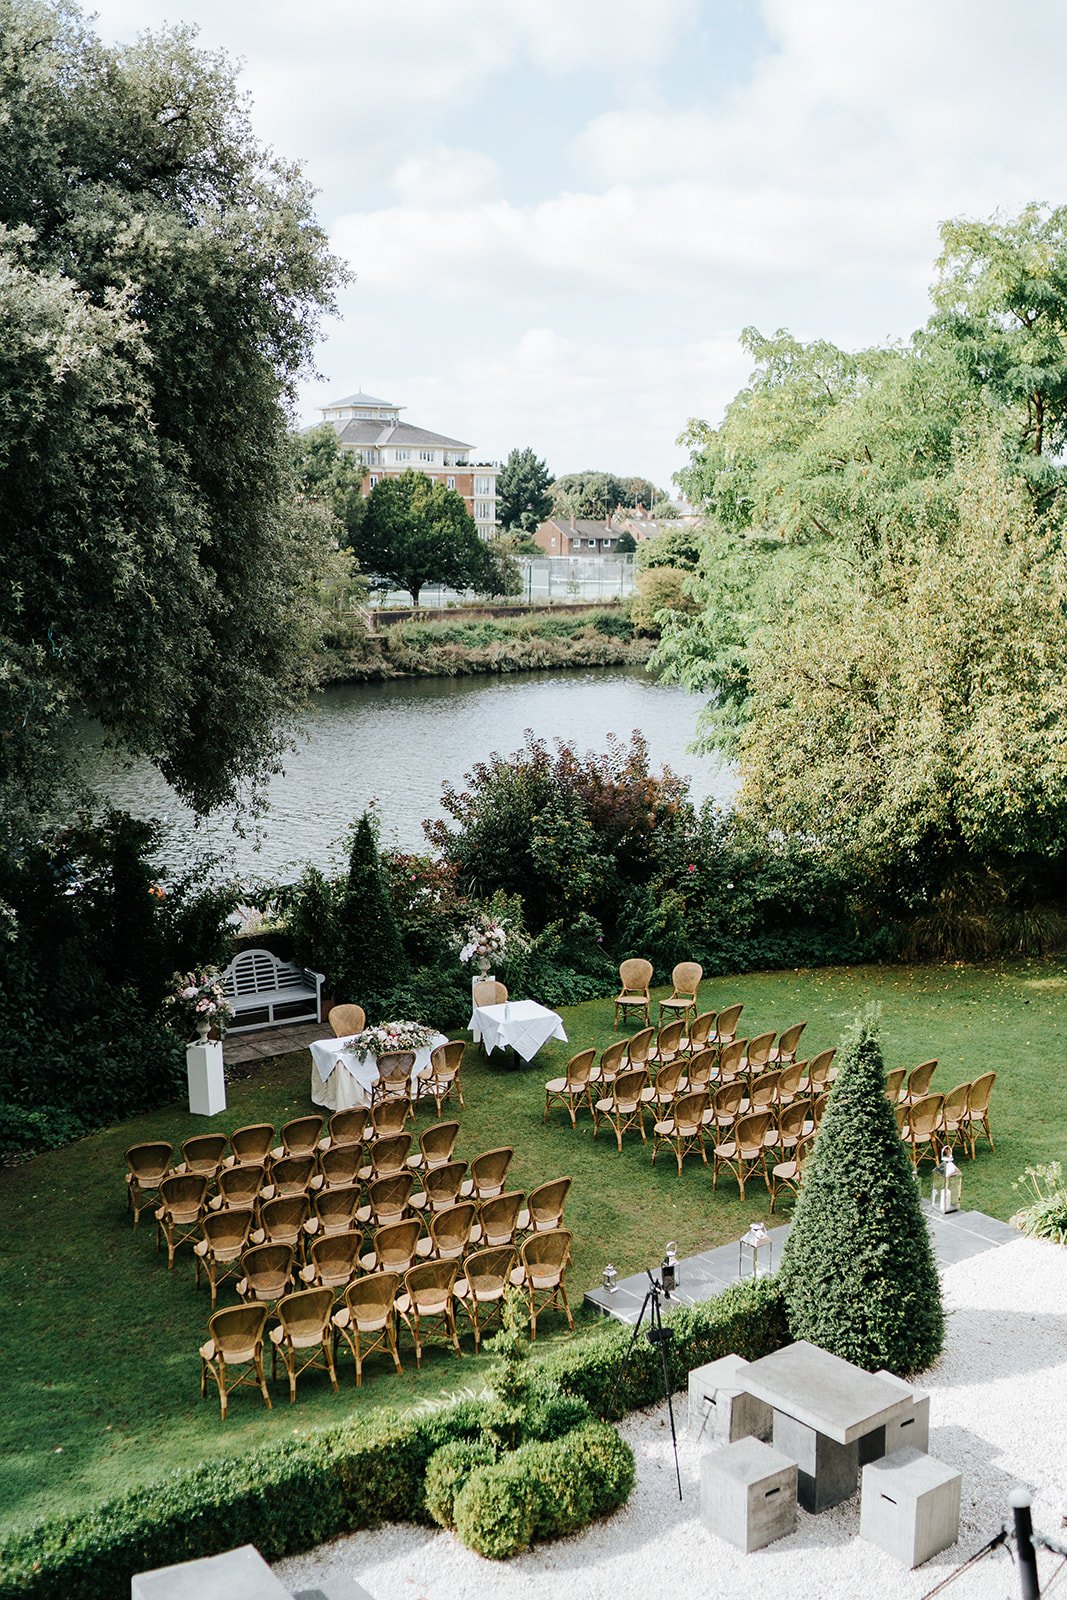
370, 959
588, 494
330, 477
161, 276
416, 531
523, 500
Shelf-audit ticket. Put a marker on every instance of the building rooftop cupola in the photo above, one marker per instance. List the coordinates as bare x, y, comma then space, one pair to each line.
361, 407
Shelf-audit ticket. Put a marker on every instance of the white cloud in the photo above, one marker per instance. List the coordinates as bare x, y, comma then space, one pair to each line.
444, 177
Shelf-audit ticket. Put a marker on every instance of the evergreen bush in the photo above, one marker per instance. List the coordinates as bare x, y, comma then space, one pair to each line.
447, 1471
858, 1271
370, 959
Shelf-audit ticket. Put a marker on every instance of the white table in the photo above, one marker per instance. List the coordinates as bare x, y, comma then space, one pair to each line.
519, 1025
340, 1078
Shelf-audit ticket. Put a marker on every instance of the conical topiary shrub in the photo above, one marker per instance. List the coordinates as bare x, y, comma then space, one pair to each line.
858, 1272
371, 956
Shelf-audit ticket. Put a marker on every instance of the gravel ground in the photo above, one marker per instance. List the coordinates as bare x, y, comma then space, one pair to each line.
998, 1413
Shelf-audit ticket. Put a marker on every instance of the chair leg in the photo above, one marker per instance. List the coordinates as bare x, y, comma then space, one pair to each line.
261, 1375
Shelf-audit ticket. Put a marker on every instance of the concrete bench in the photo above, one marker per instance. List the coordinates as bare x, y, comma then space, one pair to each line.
267, 993
720, 1412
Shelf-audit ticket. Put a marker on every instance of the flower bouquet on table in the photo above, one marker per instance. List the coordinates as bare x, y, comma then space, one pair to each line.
486, 940
391, 1036
196, 999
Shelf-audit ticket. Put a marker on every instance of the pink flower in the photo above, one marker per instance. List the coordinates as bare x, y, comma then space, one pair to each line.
692, 868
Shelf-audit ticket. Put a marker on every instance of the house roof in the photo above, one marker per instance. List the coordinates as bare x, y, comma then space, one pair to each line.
357, 431
361, 399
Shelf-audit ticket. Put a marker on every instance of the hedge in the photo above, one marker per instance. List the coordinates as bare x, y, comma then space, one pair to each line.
290, 1497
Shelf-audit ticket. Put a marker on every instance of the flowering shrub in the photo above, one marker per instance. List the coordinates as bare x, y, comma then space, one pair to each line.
486, 939
198, 997
391, 1036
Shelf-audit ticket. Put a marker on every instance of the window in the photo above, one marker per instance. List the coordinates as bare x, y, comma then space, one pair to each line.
427, 455
451, 482
402, 455
373, 479
482, 486
483, 511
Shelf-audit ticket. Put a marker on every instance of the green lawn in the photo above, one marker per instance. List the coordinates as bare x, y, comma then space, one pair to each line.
100, 1342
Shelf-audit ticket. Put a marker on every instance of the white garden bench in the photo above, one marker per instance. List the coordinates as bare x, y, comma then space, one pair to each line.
266, 993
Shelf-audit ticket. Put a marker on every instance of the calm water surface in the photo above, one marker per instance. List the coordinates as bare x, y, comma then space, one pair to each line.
398, 743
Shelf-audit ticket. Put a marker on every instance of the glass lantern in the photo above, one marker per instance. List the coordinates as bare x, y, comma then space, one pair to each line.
669, 1268
611, 1279
946, 1185
755, 1252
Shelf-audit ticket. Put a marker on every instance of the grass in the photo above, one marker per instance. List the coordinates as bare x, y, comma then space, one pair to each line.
101, 1367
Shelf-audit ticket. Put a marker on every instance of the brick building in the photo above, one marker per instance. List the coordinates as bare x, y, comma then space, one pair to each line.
373, 431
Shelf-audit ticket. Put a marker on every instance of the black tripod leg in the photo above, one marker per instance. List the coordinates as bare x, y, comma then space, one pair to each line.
657, 1322
624, 1363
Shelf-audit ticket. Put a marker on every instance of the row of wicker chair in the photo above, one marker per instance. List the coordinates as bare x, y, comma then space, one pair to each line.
956, 1119
426, 1298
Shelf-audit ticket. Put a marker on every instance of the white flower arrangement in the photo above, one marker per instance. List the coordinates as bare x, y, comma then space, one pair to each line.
197, 997
485, 940
390, 1036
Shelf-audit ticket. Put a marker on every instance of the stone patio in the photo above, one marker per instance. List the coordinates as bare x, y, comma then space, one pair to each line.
702, 1276
261, 1044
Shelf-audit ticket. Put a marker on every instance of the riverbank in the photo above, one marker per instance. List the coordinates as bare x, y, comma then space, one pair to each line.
455, 646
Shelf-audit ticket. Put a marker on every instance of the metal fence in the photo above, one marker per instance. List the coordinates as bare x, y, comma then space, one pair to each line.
547, 580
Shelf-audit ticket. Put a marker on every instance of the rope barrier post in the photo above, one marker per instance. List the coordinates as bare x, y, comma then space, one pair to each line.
1020, 1502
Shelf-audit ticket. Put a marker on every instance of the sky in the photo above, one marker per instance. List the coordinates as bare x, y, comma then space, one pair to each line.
561, 214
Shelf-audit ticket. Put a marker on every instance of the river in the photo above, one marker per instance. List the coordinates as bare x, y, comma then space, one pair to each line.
397, 743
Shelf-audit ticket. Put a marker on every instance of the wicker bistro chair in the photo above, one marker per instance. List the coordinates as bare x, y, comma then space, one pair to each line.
639, 1048
951, 1128
250, 1146
335, 1210
758, 1055
922, 1121
488, 1174
790, 1083
635, 976
437, 1147
685, 981
670, 1083
612, 1062
347, 1128
235, 1339
387, 1156
919, 1079
746, 1152
304, 1336
489, 992
218, 1253
543, 1210
239, 1187
441, 1187
894, 1085
266, 1272
443, 1080
299, 1138
732, 1062
340, 1166
395, 1247
286, 1220
726, 1106
146, 1167
572, 1090
346, 1021
670, 1044
763, 1093
483, 1287
786, 1173
785, 1051
334, 1262
203, 1155
683, 1130
427, 1304
726, 1026
367, 1321
452, 1231
388, 1200
623, 1107
794, 1125
977, 1120
699, 1031
498, 1219
701, 1069
292, 1175
541, 1274
388, 1118
182, 1201
394, 1078
820, 1075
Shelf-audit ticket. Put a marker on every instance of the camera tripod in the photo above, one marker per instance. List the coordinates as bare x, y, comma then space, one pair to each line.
660, 1336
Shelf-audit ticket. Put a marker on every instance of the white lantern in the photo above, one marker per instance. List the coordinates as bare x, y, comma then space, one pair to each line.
669, 1268
611, 1279
946, 1186
755, 1253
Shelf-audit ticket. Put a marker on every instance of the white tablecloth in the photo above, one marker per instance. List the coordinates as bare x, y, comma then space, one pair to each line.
340, 1078
519, 1025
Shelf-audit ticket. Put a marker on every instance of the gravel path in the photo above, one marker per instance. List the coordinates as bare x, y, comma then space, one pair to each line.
998, 1413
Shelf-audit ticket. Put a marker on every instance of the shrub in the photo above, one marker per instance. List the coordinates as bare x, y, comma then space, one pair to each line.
370, 959
607, 1462
447, 1471
564, 1498
1046, 1215
858, 1270
494, 1511
659, 590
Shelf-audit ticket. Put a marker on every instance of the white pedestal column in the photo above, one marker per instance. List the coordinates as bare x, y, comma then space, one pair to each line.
207, 1081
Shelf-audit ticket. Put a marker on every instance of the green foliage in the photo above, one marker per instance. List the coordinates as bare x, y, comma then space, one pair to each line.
509, 1378
447, 1471
370, 957
494, 1511
416, 531
625, 544
588, 494
523, 500
661, 590
161, 277
330, 476
679, 547
1045, 1217
858, 1272
311, 909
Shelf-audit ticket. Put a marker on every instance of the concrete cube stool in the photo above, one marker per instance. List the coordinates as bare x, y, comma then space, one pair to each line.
235, 1575
910, 1506
720, 1411
748, 1494
909, 1431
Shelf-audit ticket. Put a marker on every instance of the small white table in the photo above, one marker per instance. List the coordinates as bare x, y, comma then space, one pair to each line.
340, 1078
519, 1025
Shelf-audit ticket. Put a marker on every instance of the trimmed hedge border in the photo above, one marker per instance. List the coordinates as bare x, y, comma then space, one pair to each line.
288, 1498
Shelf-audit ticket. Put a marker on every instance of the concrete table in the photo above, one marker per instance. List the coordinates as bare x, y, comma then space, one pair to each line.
823, 1406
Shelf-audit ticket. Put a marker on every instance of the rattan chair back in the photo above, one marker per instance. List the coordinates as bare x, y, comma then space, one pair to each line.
499, 1218
292, 1174
282, 1220
438, 1144
394, 1247
235, 1338
489, 1172
441, 1185
450, 1230
764, 1091
612, 1061
701, 1029
266, 1272
788, 1042
301, 1136
919, 1079
639, 1047
701, 1068
726, 1027
759, 1053
349, 1127
389, 1198
335, 1209
489, 992
727, 1102
340, 1165
732, 1060
389, 1117
239, 1186
394, 1076
204, 1153
668, 1080
894, 1084
250, 1146
346, 1020
545, 1204
146, 1167
334, 1261
389, 1155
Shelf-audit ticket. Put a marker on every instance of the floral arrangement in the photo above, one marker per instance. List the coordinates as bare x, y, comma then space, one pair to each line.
391, 1036
197, 997
485, 939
